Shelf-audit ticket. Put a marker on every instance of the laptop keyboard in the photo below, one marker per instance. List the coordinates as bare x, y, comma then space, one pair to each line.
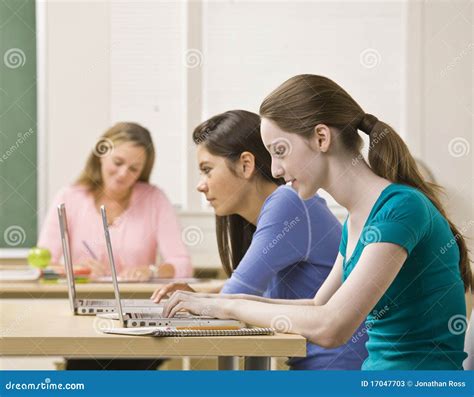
151, 315
125, 302
97, 302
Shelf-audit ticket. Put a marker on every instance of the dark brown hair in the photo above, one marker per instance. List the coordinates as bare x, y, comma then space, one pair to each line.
304, 101
229, 135
91, 176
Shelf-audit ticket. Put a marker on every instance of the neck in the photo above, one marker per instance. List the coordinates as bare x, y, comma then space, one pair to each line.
253, 202
353, 184
118, 197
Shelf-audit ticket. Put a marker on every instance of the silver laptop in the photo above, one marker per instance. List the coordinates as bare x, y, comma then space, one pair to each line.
93, 306
130, 318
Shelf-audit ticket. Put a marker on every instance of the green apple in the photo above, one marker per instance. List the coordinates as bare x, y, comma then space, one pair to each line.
39, 257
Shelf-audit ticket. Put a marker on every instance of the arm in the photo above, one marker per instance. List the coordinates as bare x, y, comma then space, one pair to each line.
331, 284
280, 240
325, 292
328, 325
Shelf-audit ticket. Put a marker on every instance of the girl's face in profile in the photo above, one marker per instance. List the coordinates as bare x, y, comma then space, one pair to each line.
293, 159
223, 188
122, 167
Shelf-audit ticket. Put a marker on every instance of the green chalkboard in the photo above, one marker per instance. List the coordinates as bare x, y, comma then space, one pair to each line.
18, 124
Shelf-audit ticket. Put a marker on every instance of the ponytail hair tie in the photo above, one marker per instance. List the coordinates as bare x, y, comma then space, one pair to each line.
367, 123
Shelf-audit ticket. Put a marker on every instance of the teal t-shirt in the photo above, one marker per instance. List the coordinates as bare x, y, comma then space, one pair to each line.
418, 322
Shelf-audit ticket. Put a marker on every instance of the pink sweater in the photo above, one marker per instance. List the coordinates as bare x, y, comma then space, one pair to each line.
147, 226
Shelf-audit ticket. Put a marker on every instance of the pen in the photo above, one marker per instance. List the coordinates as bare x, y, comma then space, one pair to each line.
91, 253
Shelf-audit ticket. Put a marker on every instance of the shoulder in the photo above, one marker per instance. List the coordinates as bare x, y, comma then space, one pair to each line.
282, 196
147, 190
282, 206
74, 192
151, 194
284, 201
404, 201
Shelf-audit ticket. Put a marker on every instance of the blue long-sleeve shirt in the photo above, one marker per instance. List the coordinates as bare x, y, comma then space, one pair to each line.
292, 252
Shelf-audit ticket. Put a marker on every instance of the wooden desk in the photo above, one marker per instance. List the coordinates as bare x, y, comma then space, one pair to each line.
35, 289
46, 327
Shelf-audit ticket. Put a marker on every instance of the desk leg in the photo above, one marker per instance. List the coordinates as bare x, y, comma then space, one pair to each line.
228, 363
257, 363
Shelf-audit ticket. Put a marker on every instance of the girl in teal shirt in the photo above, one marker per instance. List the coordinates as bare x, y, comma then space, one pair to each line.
402, 266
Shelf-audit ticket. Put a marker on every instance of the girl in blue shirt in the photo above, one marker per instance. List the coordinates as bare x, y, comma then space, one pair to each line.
271, 242
403, 266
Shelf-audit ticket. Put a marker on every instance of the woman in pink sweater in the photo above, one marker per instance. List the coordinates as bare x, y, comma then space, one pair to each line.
142, 220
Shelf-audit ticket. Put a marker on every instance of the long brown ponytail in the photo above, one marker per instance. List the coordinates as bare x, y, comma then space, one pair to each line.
305, 101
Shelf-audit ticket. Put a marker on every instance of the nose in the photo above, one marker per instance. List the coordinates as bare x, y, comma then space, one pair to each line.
277, 169
202, 186
123, 171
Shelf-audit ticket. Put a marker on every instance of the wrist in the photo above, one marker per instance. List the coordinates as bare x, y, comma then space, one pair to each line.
227, 308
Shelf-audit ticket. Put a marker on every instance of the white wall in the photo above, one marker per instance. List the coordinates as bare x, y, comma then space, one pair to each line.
109, 61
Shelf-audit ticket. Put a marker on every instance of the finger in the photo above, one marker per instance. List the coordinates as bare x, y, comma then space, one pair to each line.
176, 298
177, 308
160, 293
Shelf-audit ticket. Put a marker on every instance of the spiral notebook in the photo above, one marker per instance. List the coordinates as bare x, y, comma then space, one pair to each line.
169, 331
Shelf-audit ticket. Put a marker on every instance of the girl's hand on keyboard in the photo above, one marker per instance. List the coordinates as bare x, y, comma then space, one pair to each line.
168, 289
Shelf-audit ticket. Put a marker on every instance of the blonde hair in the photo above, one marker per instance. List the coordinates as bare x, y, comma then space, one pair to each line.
304, 101
91, 175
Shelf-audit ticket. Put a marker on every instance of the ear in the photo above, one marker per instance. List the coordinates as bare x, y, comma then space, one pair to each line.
321, 139
247, 164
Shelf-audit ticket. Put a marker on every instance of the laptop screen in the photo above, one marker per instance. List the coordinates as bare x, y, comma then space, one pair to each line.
63, 227
112, 265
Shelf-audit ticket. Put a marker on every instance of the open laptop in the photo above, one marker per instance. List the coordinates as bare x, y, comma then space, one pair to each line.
130, 318
93, 306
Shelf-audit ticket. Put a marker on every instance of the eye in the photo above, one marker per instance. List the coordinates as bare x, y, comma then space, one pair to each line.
205, 170
134, 170
281, 148
118, 162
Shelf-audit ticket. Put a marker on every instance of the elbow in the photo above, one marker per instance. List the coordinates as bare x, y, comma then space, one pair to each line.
328, 340
329, 335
